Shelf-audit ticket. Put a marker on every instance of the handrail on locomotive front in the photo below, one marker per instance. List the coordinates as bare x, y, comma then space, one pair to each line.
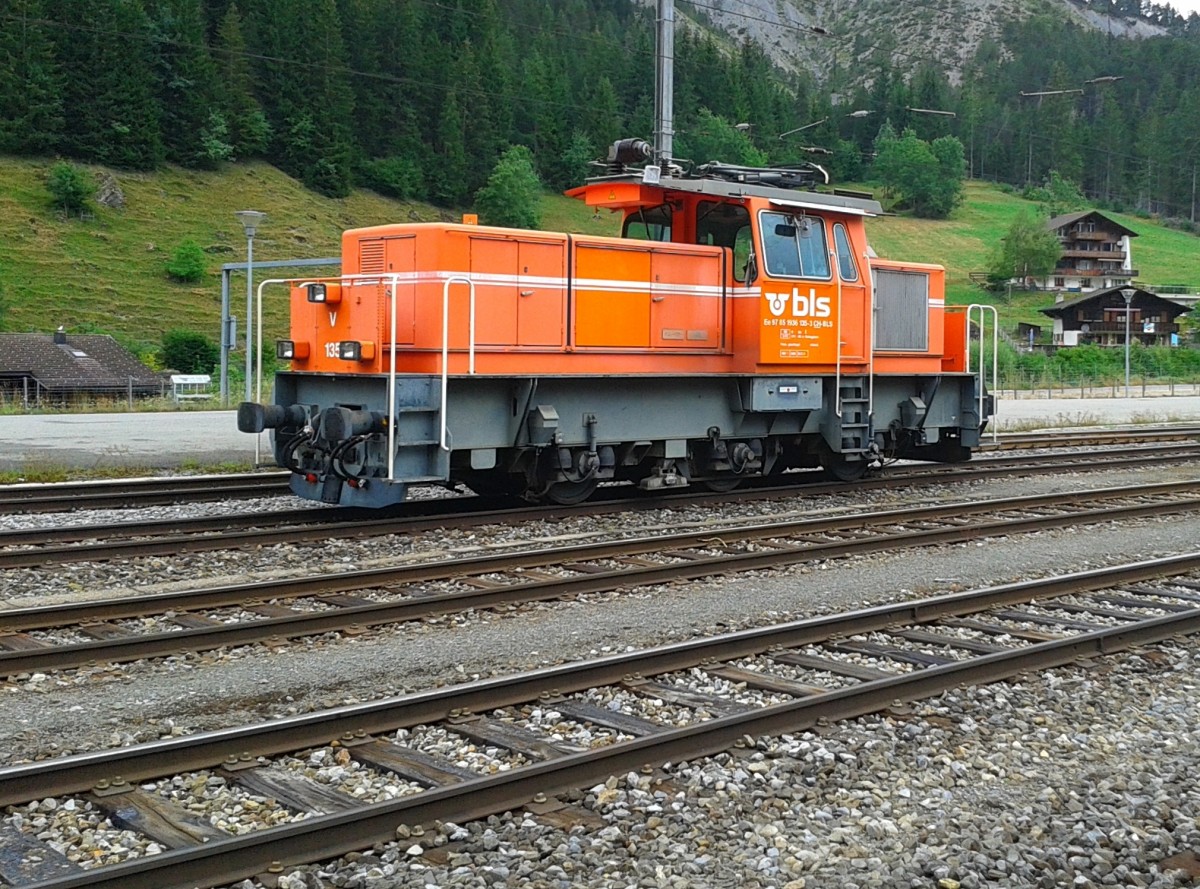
983, 367
392, 283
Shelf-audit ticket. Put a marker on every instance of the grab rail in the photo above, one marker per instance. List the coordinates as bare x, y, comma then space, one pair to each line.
454, 279
837, 375
983, 310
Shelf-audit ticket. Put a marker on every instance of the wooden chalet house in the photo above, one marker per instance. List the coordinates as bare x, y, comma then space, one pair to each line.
1096, 253
1098, 317
38, 368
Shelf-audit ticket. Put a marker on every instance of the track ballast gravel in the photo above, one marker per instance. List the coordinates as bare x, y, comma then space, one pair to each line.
1081, 777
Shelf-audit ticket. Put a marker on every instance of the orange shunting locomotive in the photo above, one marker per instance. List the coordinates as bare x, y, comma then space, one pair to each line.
741, 326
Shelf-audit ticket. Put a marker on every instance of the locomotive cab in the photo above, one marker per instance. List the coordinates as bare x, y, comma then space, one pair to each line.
739, 327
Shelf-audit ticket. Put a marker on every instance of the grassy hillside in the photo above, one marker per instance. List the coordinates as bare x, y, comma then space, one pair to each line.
963, 242
106, 274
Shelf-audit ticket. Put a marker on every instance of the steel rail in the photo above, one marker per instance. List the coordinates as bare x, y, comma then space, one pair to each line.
134, 647
213, 533
109, 493
1076, 438
326, 836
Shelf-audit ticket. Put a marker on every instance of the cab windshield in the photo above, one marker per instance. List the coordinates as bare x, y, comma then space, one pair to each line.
794, 246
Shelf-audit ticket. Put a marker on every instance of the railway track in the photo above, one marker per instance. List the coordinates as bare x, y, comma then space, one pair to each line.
139, 492
63, 636
120, 493
710, 695
31, 548
1085, 437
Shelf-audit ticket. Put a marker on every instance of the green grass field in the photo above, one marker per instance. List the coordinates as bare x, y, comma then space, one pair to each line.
106, 274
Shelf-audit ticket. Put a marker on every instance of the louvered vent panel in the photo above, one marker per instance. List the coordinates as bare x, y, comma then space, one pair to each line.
902, 304
370, 257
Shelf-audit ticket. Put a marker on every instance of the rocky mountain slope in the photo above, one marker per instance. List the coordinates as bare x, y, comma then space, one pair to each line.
828, 37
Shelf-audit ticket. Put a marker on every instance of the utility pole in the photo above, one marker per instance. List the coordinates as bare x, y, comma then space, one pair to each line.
664, 107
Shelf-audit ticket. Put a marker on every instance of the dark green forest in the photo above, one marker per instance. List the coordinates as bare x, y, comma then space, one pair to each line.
419, 98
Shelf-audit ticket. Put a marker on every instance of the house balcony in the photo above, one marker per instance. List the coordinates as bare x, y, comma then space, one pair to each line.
1117, 255
1088, 236
1094, 273
1161, 328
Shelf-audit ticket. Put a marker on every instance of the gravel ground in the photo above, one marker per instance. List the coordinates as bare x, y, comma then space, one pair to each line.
1082, 777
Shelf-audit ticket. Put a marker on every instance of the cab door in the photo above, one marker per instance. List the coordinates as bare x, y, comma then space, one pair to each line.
855, 305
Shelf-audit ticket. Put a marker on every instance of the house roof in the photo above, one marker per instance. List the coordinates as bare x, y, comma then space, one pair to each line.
87, 362
1071, 218
1144, 297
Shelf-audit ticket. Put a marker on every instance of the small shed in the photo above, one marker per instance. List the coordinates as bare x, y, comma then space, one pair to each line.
1028, 334
57, 369
1099, 317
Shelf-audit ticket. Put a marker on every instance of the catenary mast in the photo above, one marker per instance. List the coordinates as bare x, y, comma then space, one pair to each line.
664, 107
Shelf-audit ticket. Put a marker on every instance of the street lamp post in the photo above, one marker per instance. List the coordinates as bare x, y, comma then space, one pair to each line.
250, 220
1127, 292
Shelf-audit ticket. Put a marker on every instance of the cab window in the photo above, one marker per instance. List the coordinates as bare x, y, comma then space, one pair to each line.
794, 246
721, 224
743, 248
845, 257
653, 224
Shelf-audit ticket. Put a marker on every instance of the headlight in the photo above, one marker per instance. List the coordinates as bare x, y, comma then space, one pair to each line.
286, 350
352, 350
318, 292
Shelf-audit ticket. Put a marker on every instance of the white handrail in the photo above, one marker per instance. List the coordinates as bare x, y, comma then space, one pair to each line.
871, 309
355, 280
983, 310
837, 379
454, 279
391, 396
258, 363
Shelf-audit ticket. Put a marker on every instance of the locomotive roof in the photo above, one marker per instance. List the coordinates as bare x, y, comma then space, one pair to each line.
634, 191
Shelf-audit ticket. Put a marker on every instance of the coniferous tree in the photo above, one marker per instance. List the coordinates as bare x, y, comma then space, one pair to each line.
304, 90
192, 122
551, 132
602, 120
394, 148
31, 83
450, 180
249, 131
112, 115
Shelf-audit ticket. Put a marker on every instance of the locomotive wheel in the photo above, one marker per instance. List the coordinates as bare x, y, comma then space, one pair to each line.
722, 485
497, 485
845, 470
570, 493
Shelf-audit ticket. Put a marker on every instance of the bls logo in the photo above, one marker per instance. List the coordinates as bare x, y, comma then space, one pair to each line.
803, 305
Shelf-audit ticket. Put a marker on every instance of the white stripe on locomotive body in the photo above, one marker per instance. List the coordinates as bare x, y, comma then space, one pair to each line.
612, 285
609, 285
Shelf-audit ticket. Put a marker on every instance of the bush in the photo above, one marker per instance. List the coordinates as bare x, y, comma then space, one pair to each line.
70, 188
395, 177
189, 352
513, 193
187, 263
